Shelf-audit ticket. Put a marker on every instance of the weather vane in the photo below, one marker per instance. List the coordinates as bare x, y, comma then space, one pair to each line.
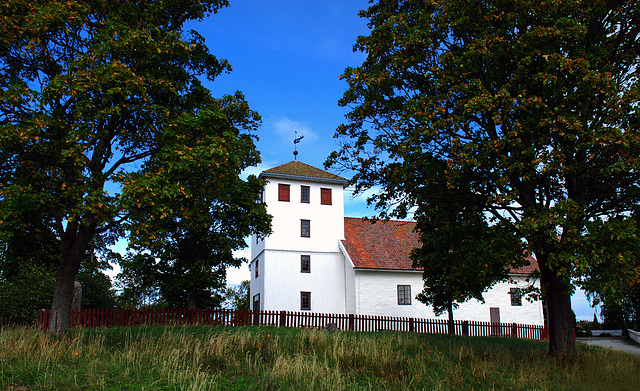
296, 140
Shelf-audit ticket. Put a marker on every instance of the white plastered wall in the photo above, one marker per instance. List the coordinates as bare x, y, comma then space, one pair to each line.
376, 294
327, 221
284, 281
280, 280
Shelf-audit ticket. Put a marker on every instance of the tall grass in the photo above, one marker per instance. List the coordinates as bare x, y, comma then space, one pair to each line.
267, 358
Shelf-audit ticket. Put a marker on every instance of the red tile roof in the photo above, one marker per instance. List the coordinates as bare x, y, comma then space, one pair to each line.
530, 268
387, 245
298, 169
381, 245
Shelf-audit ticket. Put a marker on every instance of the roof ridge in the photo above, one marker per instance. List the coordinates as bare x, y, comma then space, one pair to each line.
382, 220
298, 169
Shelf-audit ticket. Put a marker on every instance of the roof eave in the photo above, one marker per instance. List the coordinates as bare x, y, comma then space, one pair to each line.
386, 270
342, 182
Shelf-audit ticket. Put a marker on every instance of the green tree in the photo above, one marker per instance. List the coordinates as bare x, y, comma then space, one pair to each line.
97, 288
27, 276
25, 292
175, 245
136, 290
624, 312
193, 279
631, 306
458, 243
238, 297
529, 109
94, 93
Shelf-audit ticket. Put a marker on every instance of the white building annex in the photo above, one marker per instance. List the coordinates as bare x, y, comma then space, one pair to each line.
320, 261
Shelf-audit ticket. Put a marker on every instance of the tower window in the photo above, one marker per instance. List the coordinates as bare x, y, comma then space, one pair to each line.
325, 196
304, 194
283, 192
305, 263
305, 228
305, 300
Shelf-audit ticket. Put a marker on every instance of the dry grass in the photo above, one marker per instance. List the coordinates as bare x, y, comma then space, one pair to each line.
264, 358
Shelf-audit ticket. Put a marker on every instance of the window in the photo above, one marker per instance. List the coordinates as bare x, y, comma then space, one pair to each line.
305, 300
257, 260
256, 302
325, 196
305, 228
283, 192
305, 263
404, 294
304, 194
516, 296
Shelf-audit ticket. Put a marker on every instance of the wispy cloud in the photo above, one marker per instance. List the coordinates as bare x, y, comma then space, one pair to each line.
235, 275
285, 128
256, 170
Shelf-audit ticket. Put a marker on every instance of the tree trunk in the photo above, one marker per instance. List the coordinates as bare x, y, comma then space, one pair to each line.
74, 247
562, 320
451, 330
635, 300
62, 297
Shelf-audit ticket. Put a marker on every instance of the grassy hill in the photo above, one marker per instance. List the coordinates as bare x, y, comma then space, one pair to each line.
268, 358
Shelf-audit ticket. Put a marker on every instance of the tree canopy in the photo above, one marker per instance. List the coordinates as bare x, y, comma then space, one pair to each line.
28, 260
526, 112
102, 112
238, 297
462, 256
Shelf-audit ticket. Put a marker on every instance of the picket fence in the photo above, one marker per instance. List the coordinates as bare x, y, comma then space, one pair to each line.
91, 318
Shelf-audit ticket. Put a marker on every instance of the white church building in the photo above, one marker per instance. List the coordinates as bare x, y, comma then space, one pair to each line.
318, 260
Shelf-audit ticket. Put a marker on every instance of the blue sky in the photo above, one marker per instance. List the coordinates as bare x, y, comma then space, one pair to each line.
287, 57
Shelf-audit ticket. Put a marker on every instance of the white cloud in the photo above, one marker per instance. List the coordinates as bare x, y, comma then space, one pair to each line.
357, 206
582, 307
235, 275
285, 128
256, 170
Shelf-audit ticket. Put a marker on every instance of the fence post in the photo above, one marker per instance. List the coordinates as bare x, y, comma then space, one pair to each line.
450, 327
283, 318
351, 322
544, 333
514, 330
465, 328
411, 327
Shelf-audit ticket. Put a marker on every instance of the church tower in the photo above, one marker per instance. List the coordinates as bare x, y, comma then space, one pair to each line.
299, 267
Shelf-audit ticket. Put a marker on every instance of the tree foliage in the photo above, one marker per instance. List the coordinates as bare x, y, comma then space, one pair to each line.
102, 101
28, 272
183, 238
462, 256
238, 297
624, 312
525, 111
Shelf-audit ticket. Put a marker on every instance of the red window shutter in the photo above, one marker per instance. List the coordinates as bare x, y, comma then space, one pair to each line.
283, 192
325, 196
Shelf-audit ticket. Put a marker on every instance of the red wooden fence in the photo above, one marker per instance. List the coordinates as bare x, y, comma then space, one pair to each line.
210, 316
